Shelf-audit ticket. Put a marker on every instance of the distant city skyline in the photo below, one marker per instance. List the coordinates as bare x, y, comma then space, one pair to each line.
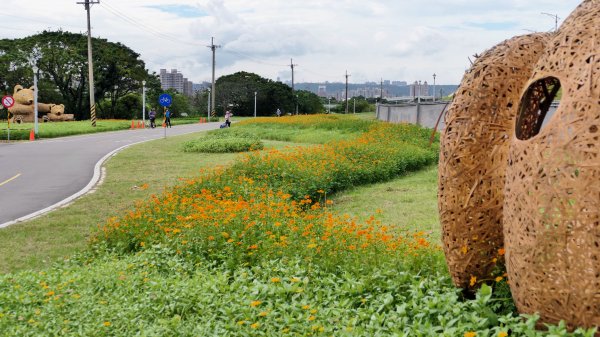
396, 40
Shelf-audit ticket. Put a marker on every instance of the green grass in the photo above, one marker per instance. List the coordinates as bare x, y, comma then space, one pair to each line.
61, 129
409, 201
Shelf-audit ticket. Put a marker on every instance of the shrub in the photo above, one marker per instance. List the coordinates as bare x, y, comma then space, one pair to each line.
224, 141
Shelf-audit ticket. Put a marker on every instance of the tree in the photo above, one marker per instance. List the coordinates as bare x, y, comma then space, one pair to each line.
237, 90
309, 103
62, 60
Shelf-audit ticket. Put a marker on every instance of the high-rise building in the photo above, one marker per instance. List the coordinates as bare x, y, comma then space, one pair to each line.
322, 91
172, 80
188, 87
419, 89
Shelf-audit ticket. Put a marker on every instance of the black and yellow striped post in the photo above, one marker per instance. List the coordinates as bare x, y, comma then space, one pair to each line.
93, 114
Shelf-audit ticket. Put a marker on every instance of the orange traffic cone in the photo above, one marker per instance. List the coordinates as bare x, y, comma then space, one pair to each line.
132, 125
139, 124
31, 135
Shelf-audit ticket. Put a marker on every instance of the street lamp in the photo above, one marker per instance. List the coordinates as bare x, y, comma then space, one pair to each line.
255, 104
555, 19
35, 99
144, 103
434, 87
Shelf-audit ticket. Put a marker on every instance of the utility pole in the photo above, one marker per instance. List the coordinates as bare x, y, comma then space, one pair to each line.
555, 16
213, 47
434, 75
292, 65
381, 91
347, 90
87, 5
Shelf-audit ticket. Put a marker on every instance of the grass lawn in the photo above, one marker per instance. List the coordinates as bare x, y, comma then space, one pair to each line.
61, 129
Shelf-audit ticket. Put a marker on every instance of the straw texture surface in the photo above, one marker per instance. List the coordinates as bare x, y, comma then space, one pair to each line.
474, 151
552, 195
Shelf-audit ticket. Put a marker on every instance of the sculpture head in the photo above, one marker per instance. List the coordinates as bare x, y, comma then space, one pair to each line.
23, 95
57, 109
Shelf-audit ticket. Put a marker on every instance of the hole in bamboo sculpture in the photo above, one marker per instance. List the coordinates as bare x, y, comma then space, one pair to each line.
534, 107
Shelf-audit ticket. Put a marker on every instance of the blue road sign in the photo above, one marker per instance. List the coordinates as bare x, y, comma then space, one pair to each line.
165, 100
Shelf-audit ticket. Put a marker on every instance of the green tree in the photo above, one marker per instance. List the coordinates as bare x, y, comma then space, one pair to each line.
62, 60
309, 103
237, 92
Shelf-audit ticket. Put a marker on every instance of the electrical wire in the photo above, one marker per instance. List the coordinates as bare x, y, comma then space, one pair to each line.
144, 27
29, 20
230, 51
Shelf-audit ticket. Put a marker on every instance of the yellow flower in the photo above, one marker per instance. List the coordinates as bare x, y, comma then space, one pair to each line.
312, 245
241, 322
50, 293
464, 249
255, 303
142, 244
311, 318
225, 234
255, 325
107, 323
275, 279
313, 311
502, 334
499, 278
473, 281
263, 314
306, 307
470, 334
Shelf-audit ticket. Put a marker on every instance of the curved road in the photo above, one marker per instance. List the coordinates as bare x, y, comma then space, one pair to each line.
37, 177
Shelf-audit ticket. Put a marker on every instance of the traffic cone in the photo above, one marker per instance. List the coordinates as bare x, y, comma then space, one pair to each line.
139, 124
132, 125
31, 135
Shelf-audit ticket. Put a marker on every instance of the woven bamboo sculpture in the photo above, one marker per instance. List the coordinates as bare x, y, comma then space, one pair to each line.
552, 195
474, 151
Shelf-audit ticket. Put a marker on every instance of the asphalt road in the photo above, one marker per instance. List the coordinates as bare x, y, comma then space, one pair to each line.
37, 177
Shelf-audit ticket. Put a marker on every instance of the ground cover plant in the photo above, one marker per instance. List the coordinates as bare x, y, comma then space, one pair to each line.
224, 141
318, 129
231, 252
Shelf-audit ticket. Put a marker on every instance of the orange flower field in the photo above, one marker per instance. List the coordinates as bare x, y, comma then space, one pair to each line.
273, 204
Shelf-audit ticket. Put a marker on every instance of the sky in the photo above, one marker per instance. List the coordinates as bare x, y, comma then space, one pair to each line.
371, 40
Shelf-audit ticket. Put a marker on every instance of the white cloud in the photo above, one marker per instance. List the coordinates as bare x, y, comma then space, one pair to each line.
390, 39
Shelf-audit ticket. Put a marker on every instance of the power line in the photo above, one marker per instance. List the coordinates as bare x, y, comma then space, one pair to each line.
231, 51
29, 21
144, 27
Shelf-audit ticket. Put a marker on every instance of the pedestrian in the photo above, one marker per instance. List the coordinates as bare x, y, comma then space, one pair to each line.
228, 115
278, 112
168, 118
152, 115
